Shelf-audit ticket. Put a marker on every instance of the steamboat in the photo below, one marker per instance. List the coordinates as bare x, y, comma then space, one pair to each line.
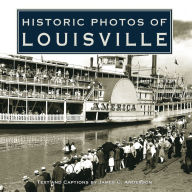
52, 92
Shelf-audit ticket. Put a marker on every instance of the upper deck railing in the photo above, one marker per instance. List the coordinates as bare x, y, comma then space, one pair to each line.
42, 95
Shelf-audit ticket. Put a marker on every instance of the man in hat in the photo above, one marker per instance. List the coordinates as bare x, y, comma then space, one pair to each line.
70, 176
58, 177
148, 159
127, 150
88, 168
145, 145
117, 158
39, 182
29, 186
177, 146
47, 178
101, 163
1, 188
64, 163
138, 148
90, 155
122, 156
167, 146
94, 162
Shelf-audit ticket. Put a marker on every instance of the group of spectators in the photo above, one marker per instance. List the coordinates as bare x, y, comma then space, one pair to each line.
42, 74
38, 93
52, 75
75, 171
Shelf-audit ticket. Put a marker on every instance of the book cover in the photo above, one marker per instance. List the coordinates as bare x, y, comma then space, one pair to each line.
95, 96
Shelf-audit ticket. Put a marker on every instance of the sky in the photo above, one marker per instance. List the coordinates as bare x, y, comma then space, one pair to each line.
182, 45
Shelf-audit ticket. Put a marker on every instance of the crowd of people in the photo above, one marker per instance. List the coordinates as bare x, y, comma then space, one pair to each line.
38, 93
52, 76
75, 171
42, 73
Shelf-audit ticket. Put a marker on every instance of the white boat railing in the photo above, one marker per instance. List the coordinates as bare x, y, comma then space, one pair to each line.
40, 118
175, 112
75, 117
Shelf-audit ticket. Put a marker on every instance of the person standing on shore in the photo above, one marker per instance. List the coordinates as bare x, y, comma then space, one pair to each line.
122, 156
153, 152
89, 167
170, 151
1, 188
117, 158
127, 150
39, 182
161, 153
177, 146
111, 161
138, 148
132, 156
95, 163
29, 186
47, 179
70, 176
145, 143
58, 177
167, 145
101, 163
141, 150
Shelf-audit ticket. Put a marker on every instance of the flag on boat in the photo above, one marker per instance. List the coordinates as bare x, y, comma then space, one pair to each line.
176, 62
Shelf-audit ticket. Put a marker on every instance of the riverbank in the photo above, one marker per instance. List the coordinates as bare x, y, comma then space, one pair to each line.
42, 149
170, 179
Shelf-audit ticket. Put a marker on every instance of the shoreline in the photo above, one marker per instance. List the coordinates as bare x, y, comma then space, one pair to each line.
169, 178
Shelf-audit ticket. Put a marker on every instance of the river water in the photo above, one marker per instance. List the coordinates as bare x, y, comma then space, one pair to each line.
22, 151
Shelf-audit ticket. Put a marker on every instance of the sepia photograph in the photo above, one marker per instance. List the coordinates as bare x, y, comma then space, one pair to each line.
95, 96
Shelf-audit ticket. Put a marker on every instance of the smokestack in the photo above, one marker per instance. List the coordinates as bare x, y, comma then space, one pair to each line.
129, 65
91, 62
154, 65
